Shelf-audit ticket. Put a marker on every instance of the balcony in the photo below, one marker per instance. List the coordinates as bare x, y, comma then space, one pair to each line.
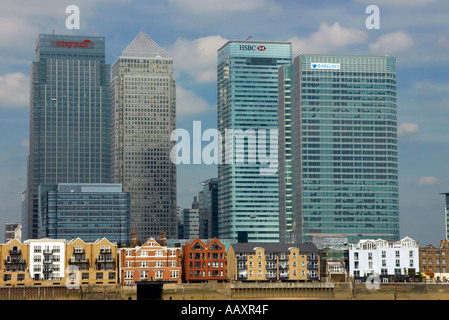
241, 258
270, 257
283, 266
15, 251
271, 267
47, 251
311, 266
283, 276
47, 261
47, 269
312, 257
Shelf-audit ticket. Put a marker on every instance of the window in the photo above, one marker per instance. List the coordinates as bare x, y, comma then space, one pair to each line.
144, 264
144, 274
128, 274
99, 276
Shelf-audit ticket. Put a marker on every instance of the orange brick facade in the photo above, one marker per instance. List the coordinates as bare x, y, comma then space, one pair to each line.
204, 261
150, 262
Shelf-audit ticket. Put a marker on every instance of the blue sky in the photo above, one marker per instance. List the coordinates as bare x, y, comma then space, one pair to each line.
414, 31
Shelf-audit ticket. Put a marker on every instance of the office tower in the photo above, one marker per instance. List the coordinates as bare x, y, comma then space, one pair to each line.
69, 117
343, 139
286, 221
446, 214
191, 220
85, 211
143, 92
248, 204
208, 207
13, 231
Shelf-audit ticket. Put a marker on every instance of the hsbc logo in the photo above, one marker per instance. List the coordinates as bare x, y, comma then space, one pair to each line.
247, 47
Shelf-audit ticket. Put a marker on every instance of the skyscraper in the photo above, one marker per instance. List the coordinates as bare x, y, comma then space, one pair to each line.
343, 147
446, 214
69, 117
208, 207
143, 91
247, 83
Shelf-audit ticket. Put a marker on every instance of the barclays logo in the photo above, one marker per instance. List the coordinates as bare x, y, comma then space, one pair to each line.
331, 66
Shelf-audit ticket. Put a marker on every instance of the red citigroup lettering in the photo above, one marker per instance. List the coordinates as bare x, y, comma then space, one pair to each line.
69, 44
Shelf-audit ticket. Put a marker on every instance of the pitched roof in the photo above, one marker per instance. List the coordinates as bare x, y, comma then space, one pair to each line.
274, 247
144, 46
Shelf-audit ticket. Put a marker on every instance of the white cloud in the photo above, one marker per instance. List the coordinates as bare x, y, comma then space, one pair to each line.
392, 43
221, 6
198, 57
14, 90
398, 3
428, 180
327, 39
431, 87
187, 102
25, 143
443, 41
406, 129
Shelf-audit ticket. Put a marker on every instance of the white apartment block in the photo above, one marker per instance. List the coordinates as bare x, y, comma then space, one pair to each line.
47, 258
383, 258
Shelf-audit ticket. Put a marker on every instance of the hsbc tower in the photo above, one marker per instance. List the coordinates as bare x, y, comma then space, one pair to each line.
247, 76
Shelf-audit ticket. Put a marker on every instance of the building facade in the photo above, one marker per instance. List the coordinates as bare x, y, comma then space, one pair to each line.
152, 261
388, 260
273, 262
191, 223
446, 214
338, 143
70, 117
13, 230
88, 211
204, 260
247, 89
143, 93
434, 262
208, 209
57, 262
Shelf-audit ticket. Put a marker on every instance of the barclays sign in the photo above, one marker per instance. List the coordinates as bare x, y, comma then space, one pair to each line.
328, 66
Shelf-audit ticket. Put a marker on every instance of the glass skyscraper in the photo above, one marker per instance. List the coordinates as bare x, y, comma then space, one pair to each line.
143, 91
247, 84
70, 113
88, 211
339, 145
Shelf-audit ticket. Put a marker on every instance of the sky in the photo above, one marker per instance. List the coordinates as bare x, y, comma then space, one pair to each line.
414, 31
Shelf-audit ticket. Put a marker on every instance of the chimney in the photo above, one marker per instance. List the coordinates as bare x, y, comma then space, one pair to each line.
133, 238
163, 239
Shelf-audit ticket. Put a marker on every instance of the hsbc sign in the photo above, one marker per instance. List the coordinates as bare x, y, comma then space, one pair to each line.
254, 47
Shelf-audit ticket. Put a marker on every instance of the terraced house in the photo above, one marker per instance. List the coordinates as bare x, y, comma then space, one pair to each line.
273, 262
58, 262
204, 260
152, 261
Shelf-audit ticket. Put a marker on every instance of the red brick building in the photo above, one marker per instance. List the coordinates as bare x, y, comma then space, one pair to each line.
152, 261
204, 261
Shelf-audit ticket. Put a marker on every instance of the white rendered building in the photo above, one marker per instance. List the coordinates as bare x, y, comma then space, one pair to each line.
47, 257
383, 258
